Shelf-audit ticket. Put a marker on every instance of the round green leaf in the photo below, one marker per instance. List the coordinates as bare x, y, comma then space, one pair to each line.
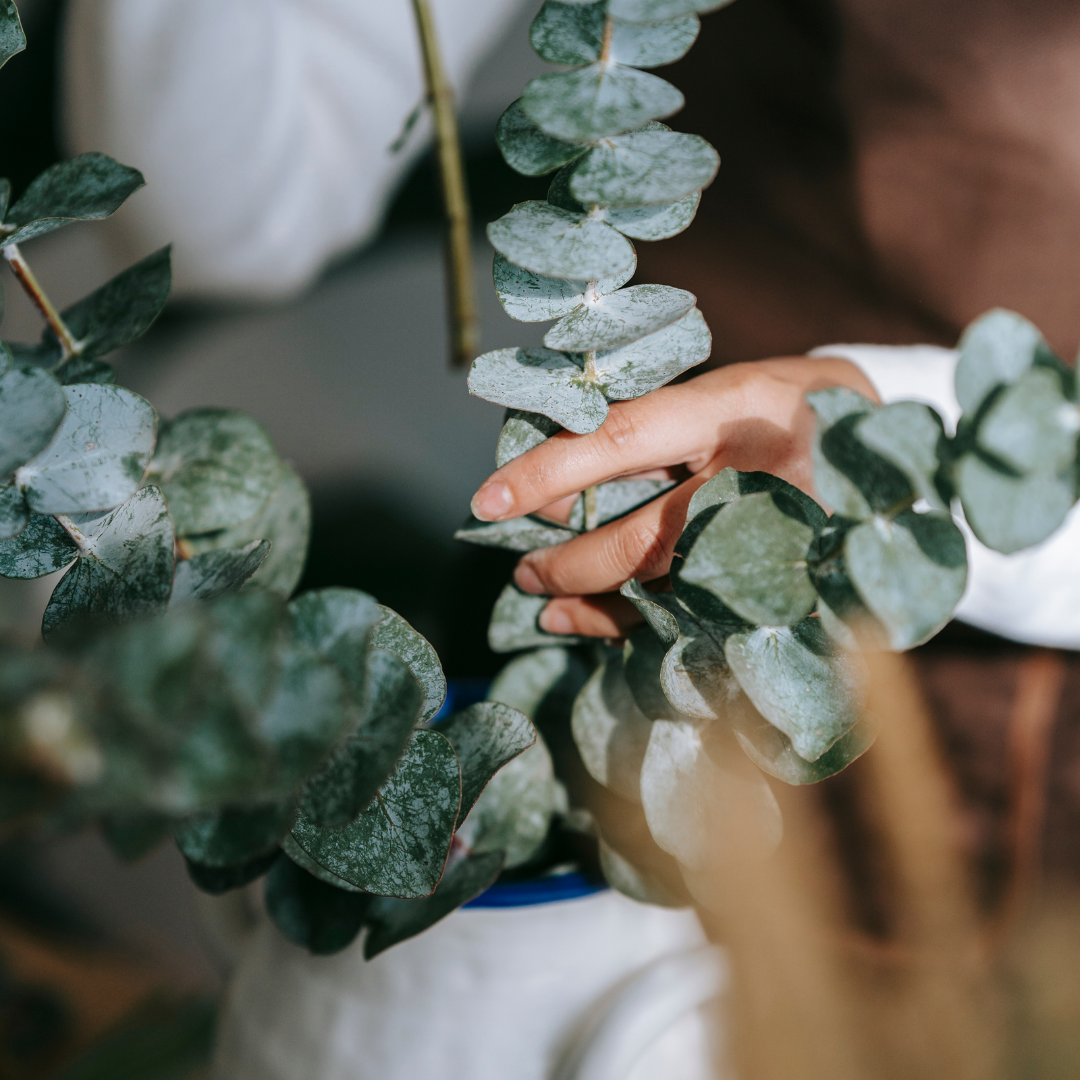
695, 677
662, 620
233, 836
98, 456
32, 404
12, 41
606, 322
310, 913
753, 557
41, 548
530, 297
394, 635
519, 534
644, 167
599, 100
217, 468
553, 242
569, 33
996, 348
522, 431
653, 44
527, 149
13, 513
656, 222
514, 626
338, 624
908, 434
217, 573
651, 11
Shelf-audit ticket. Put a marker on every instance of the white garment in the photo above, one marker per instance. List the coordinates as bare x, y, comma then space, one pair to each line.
263, 127
1032, 595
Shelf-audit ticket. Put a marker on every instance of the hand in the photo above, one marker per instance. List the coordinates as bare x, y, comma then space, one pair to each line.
749, 416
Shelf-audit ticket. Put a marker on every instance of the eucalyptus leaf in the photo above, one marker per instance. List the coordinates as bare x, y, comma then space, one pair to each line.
569, 33
98, 456
485, 737
1010, 513
553, 242
218, 880
399, 844
1031, 426
610, 731
606, 322
13, 513
995, 349
643, 660
910, 572
217, 468
795, 678
771, 750
527, 149
217, 573
32, 405
617, 498
643, 167
543, 381
530, 297
655, 44
77, 369
753, 556
125, 564
730, 484
541, 684
695, 677
651, 11
338, 624
84, 188
644, 365
630, 880
662, 621
655, 222
284, 520
703, 800
132, 836
347, 780
522, 431
599, 100
234, 836
908, 434
394, 635
392, 921
514, 625
302, 859
519, 534
309, 913
41, 548
12, 38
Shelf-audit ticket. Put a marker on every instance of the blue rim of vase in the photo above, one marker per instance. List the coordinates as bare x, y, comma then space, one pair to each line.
460, 694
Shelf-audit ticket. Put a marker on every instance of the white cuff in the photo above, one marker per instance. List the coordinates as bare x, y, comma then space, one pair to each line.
1032, 596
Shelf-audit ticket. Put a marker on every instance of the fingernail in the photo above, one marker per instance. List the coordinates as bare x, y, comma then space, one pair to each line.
555, 621
527, 579
492, 502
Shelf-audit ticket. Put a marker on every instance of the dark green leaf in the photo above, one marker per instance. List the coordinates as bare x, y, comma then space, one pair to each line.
643, 167
217, 468
302, 859
527, 149
834, 486
730, 484
32, 404
643, 661
98, 457
131, 836
84, 188
338, 624
12, 41
233, 836
78, 369
310, 913
514, 625
485, 737
753, 556
908, 434
218, 880
125, 564
285, 521
13, 513
871, 480
347, 781
797, 681
599, 100
399, 844
395, 635
391, 921
217, 573
695, 676
43, 547
553, 242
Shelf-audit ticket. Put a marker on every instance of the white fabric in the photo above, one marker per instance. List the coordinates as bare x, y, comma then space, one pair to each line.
263, 127
485, 994
1031, 596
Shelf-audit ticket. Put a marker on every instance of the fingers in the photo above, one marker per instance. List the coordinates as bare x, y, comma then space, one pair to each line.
668, 427
638, 545
606, 616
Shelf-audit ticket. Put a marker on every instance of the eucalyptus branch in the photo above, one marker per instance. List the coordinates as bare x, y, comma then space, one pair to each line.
21, 269
464, 320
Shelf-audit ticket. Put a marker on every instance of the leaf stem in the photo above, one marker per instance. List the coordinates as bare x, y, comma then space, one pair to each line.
605, 44
21, 269
464, 319
592, 511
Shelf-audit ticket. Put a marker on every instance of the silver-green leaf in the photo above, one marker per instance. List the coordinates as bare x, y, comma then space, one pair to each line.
41, 548
393, 634
656, 222
217, 573
995, 349
12, 38
530, 297
522, 431
652, 11
514, 626
32, 404
527, 149
606, 322
518, 534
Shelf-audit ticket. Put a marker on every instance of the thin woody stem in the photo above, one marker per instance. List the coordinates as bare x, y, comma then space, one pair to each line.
605, 45
21, 269
592, 511
464, 320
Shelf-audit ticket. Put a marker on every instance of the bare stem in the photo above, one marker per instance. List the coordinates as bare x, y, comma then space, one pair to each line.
605, 45
464, 320
21, 269
592, 511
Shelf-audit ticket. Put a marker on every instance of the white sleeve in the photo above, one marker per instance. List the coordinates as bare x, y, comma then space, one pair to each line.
1031, 596
263, 127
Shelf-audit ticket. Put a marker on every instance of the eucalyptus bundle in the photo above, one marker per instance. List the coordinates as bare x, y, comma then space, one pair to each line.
178, 690
749, 666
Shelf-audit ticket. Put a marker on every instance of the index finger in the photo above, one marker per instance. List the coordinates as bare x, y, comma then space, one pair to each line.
663, 429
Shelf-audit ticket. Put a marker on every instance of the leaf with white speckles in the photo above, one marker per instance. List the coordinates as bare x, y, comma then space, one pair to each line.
514, 625
13, 513
217, 573
656, 222
41, 548
530, 297
394, 635
607, 322
651, 11
522, 431
527, 149
32, 405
